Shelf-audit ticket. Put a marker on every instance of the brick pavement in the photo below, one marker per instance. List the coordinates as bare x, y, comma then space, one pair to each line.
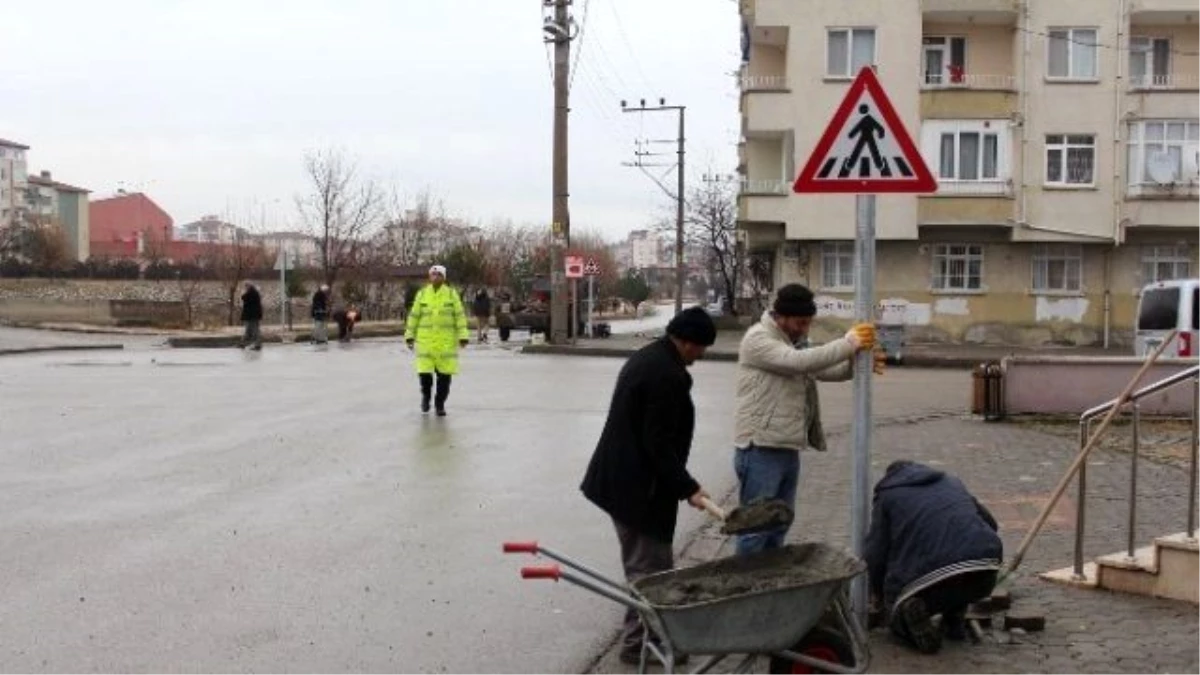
1013, 469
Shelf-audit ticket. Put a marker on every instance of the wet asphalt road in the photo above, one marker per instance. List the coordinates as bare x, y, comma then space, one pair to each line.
292, 510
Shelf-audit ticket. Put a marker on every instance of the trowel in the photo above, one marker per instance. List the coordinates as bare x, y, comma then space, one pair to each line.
756, 516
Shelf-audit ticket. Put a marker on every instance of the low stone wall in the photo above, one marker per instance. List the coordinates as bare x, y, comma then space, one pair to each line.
160, 303
1069, 385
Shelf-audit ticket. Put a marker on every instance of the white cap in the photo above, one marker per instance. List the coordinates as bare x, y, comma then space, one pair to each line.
438, 269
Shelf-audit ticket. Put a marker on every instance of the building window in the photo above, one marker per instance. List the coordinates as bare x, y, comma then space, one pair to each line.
849, 51
1070, 160
944, 61
1072, 54
958, 267
1057, 267
1149, 62
1164, 263
1163, 151
969, 156
837, 264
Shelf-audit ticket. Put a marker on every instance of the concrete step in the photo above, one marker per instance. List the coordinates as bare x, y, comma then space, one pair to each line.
1169, 568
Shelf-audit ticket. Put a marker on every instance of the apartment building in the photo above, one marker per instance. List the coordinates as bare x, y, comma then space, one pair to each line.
62, 205
13, 180
211, 230
1063, 134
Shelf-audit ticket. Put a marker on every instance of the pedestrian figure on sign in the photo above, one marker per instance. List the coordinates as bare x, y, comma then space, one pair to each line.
320, 314
868, 132
252, 314
436, 328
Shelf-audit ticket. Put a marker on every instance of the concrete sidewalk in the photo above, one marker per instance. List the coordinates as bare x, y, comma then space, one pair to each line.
1012, 469
914, 355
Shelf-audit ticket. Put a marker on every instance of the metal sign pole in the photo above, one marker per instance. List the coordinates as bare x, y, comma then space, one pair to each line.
864, 301
282, 290
591, 301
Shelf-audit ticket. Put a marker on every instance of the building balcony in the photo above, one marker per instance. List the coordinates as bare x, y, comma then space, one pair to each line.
956, 80
764, 83
1183, 82
981, 11
964, 101
949, 209
767, 111
1163, 11
973, 188
765, 187
1187, 189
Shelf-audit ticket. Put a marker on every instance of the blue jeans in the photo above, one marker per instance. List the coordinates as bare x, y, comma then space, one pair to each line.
765, 473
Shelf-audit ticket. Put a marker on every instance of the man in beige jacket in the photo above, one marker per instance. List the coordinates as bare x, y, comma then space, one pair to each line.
778, 414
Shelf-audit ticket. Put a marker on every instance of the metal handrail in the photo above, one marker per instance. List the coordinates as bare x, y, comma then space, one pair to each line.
1192, 373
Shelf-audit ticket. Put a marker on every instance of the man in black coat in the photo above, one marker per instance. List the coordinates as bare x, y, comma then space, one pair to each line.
320, 314
252, 314
638, 473
932, 549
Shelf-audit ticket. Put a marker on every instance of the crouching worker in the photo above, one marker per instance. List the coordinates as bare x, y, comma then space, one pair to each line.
345, 319
932, 549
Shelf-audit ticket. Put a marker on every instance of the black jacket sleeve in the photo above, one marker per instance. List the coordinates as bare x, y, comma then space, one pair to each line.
665, 443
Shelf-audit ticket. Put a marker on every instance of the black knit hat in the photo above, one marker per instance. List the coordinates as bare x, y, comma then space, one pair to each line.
795, 300
693, 325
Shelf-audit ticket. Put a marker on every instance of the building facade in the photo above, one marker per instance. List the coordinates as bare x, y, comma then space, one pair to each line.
65, 206
211, 230
13, 181
1063, 134
129, 224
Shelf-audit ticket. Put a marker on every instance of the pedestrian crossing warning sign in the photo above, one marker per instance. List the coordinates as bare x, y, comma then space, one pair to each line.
865, 149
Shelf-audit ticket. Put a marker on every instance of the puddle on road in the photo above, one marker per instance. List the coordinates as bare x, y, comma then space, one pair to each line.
112, 364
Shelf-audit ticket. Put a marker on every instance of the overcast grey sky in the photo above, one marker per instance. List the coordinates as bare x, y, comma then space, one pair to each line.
208, 106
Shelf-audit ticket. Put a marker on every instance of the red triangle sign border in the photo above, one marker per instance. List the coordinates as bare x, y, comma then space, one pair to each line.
922, 181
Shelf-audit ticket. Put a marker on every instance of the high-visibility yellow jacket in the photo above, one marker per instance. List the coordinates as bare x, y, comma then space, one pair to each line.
436, 323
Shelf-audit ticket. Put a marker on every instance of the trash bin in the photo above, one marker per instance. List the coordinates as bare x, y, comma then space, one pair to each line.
891, 336
987, 391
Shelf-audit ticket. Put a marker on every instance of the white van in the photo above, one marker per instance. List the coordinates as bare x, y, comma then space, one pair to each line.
1166, 306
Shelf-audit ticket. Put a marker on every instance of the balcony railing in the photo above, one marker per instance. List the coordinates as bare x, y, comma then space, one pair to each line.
764, 83
1168, 81
974, 188
766, 186
959, 80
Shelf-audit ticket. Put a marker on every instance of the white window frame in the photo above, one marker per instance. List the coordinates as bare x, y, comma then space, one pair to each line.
946, 47
851, 32
1069, 256
1178, 257
834, 256
932, 133
1139, 146
964, 254
1074, 43
1143, 45
1063, 146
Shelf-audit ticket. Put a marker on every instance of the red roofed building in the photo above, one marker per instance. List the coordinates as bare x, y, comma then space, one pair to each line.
128, 225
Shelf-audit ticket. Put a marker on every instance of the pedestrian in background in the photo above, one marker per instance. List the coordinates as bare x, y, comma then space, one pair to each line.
481, 308
777, 411
252, 314
436, 328
320, 314
345, 318
638, 473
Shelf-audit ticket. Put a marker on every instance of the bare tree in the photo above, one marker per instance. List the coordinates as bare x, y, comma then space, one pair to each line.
342, 210
710, 222
233, 263
413, 232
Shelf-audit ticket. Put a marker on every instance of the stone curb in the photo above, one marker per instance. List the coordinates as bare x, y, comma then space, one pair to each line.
6, 351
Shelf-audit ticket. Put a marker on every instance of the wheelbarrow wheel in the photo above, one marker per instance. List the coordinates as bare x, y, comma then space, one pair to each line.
820, 643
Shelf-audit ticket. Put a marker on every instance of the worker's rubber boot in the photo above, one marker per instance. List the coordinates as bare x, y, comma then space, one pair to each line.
443, 392
911, 622
426, 390
954, 626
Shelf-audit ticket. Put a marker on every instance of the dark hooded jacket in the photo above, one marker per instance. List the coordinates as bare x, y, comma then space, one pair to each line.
638, 473
923, 521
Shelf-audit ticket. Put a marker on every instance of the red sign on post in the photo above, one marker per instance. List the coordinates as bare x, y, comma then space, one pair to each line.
574, 264
865, 149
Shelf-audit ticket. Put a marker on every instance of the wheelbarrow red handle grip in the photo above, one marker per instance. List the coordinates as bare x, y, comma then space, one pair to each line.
541, 572
520, 547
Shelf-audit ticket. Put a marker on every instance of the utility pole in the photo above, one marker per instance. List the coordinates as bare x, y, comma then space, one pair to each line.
558, 29
679, 194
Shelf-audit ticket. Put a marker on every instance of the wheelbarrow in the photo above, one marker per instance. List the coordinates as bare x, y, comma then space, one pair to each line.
770, 603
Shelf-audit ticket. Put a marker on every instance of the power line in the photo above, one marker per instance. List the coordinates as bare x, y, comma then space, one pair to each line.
1099, 44
579, 44
625, 38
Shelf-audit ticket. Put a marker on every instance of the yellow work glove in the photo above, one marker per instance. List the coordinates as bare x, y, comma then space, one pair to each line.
862, 336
